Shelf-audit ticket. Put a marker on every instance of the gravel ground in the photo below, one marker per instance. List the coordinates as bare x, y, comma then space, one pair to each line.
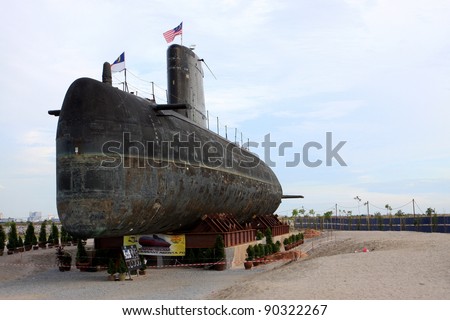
157, 284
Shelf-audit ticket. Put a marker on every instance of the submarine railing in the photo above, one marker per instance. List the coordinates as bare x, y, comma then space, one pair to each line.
207, 116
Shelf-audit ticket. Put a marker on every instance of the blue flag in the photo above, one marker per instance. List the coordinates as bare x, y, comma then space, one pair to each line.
119, 64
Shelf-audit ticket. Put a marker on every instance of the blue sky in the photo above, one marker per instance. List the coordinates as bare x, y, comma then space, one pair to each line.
373, 73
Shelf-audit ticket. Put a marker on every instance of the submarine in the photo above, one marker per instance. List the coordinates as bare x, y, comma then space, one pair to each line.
126, 165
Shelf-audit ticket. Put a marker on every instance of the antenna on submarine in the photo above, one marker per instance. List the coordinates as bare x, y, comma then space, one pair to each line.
203, 60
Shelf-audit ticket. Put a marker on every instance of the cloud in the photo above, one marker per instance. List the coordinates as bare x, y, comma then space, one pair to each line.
325, 111
35, 137
35, 155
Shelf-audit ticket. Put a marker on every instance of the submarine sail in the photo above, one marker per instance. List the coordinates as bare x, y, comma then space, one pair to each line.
126, 165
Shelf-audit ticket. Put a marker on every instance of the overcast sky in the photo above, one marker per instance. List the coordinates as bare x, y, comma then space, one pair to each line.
372, 73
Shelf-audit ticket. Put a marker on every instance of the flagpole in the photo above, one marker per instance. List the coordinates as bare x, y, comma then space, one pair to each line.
126, 84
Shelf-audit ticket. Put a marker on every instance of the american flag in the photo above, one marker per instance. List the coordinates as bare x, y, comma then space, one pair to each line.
172, 33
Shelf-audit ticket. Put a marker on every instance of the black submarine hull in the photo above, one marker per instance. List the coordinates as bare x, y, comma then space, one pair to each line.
124, 167
128, 166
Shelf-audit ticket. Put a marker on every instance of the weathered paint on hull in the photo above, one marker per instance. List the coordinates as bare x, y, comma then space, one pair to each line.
121, 171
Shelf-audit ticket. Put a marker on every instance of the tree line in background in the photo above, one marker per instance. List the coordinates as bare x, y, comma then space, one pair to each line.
328, 214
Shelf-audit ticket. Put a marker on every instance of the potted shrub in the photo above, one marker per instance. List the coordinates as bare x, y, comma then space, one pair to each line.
20, 245
82, 258
50, 240
122, 269
53, 238
257, 253
248, 264
259, 235
64, 237
286, 244
2, 240
111, 269
143, 265
66, 261
13, 241
43, 236
29, 233
63, 259
219, 254
268, 249
262, 252
301, 237
34, 242
277, 247
55, 234
268, 235
70, 240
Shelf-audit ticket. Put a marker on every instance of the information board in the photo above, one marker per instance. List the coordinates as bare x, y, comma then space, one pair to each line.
131, 256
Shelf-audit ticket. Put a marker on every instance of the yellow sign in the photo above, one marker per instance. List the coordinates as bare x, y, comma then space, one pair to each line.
158, 244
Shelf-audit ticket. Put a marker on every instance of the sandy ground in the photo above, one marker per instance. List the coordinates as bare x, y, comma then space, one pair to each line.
20, 265
399, 265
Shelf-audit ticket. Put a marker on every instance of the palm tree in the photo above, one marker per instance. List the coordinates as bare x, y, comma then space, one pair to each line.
294, 215
388, 208
301, 211
327, 215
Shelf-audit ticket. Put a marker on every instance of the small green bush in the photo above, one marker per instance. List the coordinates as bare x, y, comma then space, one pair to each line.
122, 266
219, 248
2, 238
259, 235
43, 232
13, 240
262, 250
111, 267
250, 253
29, 234
268, 234
82, 256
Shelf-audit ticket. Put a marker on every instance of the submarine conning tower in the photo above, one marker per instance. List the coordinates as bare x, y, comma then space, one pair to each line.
185, 83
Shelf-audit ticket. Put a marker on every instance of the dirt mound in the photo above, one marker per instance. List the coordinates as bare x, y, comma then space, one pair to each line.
291, 255
311, 233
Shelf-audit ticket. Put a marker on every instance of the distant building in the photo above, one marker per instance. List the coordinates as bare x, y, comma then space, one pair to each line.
35, 216
1, 215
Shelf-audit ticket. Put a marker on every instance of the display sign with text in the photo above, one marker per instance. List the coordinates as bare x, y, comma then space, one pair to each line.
158, 244
131, 257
